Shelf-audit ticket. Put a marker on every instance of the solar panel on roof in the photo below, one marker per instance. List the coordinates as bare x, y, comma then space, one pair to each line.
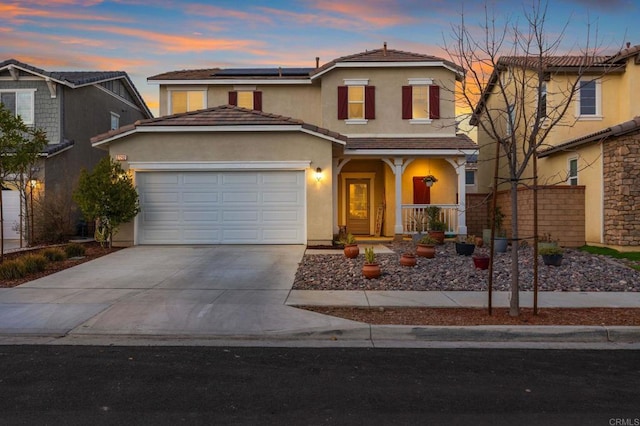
262, 72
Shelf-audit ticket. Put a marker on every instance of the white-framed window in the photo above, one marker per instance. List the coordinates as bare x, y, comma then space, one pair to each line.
470, 177
589, 99
186, 100
356, 101
573, 172
420, 102
115, 121
21, 102
245, 99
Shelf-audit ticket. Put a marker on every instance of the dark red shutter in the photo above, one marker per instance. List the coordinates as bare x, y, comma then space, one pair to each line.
257, 101
343, 102
434, 102
407, 103
233, 98
369, 102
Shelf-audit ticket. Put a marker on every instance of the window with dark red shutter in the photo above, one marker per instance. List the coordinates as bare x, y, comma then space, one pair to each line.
407, 103
343, 103
369, 102
434, 102
233, 98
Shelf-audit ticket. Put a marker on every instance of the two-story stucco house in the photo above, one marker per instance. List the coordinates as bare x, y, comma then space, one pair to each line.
291, 155
71, 107
594, 151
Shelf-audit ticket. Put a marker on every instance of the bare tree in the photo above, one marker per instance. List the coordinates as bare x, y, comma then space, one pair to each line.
520, 86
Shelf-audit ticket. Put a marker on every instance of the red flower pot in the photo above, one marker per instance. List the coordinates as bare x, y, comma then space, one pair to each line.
351, 251
371, 270
481, 262
408, 259
426, 250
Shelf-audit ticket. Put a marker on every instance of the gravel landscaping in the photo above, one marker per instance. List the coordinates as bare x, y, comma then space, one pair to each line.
448, 271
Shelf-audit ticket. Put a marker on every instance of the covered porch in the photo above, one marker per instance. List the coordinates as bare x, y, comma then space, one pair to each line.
388, 196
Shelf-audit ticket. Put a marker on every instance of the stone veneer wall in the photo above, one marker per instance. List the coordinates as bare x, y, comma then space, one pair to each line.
561, 213
621, 171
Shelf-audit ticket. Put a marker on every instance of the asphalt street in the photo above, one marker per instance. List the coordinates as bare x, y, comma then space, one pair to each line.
67, 385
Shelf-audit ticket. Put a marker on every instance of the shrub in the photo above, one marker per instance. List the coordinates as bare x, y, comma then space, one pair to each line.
74, 250
12, 270
54, 254
34, 263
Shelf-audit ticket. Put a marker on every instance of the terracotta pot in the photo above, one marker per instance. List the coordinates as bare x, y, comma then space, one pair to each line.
479, 242
426, 250
437, 235
371, 270
408, 259
481, 262
351, 251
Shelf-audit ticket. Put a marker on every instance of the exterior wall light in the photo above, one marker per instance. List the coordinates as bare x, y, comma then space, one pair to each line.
318, 174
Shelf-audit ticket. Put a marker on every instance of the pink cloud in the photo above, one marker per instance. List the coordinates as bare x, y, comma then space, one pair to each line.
222, 13
380, 13
19, 14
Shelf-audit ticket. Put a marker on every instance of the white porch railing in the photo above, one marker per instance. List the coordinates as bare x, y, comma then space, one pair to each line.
413, 214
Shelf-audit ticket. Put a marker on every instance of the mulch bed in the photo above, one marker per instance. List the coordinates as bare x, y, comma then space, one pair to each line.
476, 316
93, 250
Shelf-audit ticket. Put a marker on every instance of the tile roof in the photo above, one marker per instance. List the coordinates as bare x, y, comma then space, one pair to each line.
224, 115
73, 78
460, 142
54, 148
632, 125
553, 61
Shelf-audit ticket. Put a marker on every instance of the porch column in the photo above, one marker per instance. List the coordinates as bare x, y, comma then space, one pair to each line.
397, 169
335, 170
462, 197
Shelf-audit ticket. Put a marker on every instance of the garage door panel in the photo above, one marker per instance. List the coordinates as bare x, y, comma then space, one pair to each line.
244, 207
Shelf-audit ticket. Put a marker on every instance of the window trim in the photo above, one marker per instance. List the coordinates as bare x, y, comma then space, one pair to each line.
427, 82
33, 103
170, 91
364, 83
598, 113
475, 177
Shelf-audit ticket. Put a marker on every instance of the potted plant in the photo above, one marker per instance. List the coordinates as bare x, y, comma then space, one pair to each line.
481, 260
408, 259
466, 247
551, 255
429, 180
546, 242
351, 249
500, 240
427, 247
370, 269
419, 222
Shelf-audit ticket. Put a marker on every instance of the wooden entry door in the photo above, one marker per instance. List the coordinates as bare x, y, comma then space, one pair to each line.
358, 206
421, 192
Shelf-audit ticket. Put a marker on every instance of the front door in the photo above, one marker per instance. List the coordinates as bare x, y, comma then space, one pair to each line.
358, 206
421, 192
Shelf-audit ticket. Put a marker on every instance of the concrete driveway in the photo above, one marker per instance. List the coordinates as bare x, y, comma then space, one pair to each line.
168, 291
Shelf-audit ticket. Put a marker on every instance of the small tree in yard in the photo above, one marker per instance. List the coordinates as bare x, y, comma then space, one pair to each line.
509, 66
107, 196
20, 146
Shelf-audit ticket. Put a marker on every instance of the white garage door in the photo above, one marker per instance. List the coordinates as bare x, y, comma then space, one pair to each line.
244, 207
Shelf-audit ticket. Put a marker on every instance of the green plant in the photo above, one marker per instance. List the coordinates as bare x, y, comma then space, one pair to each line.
349, 239
418, 219
469, 239
550, 250
74, 250
54, 254
498, 218
427, 240
438, 225
34, 263
369, 255
433, 213
12, 270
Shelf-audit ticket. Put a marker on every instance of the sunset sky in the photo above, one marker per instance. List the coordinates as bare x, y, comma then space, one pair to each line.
148, 37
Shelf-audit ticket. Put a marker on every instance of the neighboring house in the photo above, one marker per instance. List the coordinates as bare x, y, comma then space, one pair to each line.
70, 106
292, 155
596, 150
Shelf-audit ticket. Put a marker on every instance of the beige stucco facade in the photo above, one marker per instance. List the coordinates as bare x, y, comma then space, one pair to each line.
212, 148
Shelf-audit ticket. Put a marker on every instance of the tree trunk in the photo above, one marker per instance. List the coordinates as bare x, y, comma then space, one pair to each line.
514, 308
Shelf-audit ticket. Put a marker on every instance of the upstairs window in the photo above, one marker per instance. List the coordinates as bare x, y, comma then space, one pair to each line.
356, 101
573, 172
543, 100
20, 103
249, 99
589, 99
420, 101
186, 100
115, 121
